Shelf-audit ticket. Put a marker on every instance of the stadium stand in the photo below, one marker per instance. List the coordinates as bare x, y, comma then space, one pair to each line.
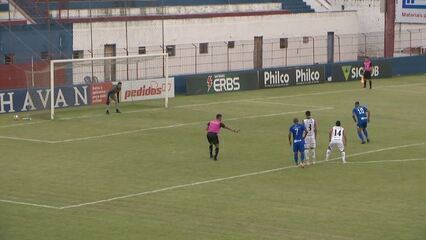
296, 6
31, 10
4, 7
37, 11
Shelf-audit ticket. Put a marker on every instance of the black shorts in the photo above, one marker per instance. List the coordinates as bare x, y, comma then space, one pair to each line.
111, 96
367, 75
213, 138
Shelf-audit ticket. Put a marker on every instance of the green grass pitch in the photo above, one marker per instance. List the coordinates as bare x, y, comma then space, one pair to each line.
146, 174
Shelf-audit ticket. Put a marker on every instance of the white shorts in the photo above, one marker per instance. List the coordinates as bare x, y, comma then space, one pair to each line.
310, 142
338, 144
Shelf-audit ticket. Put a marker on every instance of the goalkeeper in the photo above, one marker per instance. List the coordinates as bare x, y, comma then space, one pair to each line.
114, 95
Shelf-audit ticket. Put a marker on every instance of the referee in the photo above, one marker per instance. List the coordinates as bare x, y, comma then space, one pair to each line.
368, 66
213, 129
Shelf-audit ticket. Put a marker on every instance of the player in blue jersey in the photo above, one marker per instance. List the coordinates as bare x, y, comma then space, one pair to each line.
361, 116
299, 132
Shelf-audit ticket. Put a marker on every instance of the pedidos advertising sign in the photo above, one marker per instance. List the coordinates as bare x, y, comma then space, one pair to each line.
147, 89
221, 82
284, 77
354, 71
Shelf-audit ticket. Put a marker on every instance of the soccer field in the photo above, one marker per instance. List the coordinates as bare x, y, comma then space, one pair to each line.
146, 173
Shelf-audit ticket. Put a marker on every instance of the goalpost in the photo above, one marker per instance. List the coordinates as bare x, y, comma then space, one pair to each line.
103, 72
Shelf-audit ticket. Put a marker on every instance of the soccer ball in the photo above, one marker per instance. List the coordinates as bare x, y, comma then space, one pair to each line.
15, 117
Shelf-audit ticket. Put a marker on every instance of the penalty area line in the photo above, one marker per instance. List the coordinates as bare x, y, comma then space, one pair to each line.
228, 178
26, 139
181, 125
29, 204
217, 102
203, 182
386, 161
155, 128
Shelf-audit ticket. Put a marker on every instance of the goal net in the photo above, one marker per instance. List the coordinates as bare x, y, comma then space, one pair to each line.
77, 82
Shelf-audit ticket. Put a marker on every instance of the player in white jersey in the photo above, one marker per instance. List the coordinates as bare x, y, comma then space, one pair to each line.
337, 137
311, 138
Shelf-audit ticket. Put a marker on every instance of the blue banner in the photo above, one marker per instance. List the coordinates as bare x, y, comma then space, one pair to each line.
23, 100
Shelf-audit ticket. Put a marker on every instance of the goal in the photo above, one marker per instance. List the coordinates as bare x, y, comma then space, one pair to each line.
76, 82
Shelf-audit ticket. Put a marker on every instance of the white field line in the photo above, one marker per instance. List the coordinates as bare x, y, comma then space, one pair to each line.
387, 161
203, 182
103, 114
152, 128
26, 139
29, 204
227, 178
402, 85
219, 102
403, 91
179, 125
22, 124
283, 104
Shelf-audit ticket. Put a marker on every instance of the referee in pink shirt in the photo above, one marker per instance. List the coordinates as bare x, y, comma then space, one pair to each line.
368, 66
213, 129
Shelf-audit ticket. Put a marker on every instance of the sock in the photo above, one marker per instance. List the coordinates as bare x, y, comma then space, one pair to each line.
365, 83
302, 157
327, 155
360, 136
307, 154
296, 157
216, 152
344, 157
365, 132
211, 150
314, 155
370, 83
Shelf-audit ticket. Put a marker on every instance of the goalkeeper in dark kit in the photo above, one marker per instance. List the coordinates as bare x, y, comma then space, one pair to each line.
114, 95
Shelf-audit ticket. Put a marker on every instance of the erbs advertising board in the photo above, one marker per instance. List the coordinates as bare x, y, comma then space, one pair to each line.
283, 77
354, 71
147, 89
221, 82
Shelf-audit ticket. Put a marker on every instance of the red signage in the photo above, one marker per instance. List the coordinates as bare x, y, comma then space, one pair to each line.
99, 92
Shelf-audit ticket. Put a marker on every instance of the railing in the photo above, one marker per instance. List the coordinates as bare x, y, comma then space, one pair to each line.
85, 4
42, 11
33, 11
239, 55
304, 50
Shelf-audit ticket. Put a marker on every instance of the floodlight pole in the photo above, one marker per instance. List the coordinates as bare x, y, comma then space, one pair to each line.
410, 42
365, 43
195, 58
313, 49
389, 35
338, 44
91, 38
127, 42
162, 34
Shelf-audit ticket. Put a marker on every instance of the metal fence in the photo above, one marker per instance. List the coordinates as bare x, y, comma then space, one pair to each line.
279, 52
214, 56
